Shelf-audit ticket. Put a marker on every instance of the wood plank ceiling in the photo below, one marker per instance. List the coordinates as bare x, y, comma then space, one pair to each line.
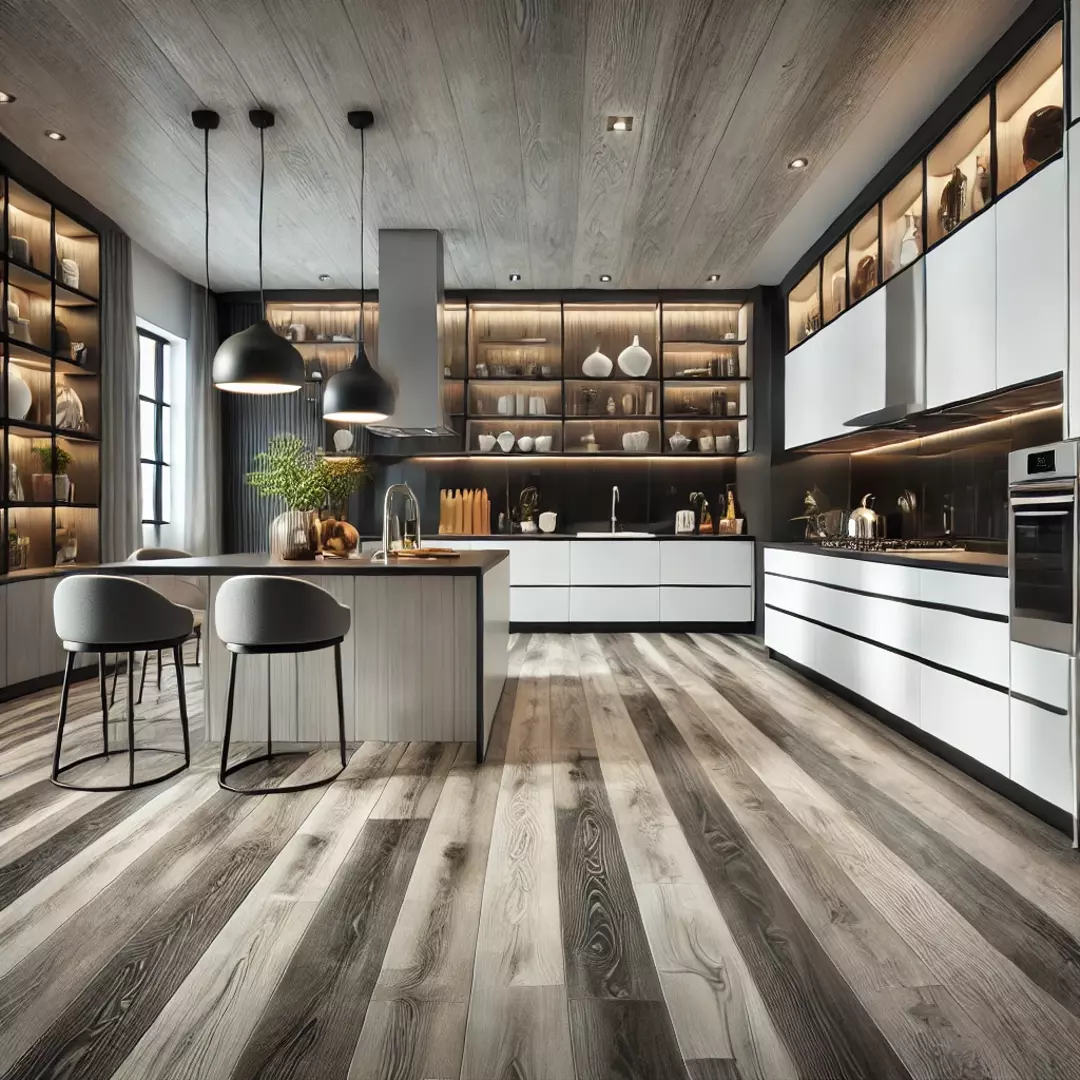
490, 124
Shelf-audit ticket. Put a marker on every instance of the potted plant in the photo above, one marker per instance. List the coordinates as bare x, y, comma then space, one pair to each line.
52, 482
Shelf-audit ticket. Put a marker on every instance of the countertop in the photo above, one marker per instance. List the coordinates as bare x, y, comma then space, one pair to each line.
962, 562
468, 563
436, 539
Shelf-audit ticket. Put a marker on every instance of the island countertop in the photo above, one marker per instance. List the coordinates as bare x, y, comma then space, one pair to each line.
467, 564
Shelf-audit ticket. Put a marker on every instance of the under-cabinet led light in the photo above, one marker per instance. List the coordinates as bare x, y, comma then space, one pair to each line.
56, 136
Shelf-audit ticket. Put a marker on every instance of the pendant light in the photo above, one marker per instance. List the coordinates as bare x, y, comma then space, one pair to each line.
359, 394
258, 360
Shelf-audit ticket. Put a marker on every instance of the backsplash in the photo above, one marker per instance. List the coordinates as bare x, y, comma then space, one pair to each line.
959, 479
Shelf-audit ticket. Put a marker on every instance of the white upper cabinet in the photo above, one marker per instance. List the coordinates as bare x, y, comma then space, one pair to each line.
961, 324
837, 374
1031, 300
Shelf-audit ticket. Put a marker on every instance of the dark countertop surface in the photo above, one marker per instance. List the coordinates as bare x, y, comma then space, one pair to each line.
469, 563
435, 539
985, 563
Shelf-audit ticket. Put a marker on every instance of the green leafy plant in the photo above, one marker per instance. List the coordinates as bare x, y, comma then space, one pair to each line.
302, 479
54, 460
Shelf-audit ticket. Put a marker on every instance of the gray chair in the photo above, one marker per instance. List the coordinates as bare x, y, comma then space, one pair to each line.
179, 591
264, 614
102, 614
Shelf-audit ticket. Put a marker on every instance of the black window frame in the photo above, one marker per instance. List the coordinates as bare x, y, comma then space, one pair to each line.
159, 461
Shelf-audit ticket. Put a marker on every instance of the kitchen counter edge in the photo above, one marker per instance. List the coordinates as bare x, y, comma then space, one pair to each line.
982, 563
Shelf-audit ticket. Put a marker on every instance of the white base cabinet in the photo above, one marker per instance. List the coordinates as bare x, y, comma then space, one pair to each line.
626, 582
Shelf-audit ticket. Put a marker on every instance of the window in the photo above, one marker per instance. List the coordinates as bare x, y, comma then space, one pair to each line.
154, 428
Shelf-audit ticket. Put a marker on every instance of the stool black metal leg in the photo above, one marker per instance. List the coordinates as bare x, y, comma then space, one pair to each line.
198, 643
131, 717
63, 714
181, 693
269, 713
223, 771
102, 682
159, 669
115, 675
142, 679
340, 703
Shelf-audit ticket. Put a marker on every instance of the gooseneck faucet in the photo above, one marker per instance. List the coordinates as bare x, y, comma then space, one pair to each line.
383, 555
614, 502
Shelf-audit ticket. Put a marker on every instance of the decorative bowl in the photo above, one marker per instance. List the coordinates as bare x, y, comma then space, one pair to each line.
596, 365
678, 442
487, 443
526, 443
635, 361
506, 441
543, 444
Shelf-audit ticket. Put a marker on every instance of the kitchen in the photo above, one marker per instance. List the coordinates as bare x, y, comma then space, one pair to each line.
513, 512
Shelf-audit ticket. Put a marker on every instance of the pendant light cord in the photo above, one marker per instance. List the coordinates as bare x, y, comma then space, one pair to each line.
206, 238
363, 177
262, 187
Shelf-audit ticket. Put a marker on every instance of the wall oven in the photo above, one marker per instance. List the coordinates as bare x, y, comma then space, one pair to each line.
1043, 547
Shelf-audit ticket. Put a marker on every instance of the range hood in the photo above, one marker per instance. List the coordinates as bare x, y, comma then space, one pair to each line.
410, 342
905, 349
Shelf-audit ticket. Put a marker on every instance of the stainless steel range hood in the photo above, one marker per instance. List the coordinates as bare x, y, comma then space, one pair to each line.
905, 349
410, 341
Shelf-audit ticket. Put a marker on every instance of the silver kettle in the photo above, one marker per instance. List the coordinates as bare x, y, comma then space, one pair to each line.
864, 522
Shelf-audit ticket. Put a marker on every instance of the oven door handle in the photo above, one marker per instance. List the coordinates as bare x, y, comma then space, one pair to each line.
1043, 500
1041, 513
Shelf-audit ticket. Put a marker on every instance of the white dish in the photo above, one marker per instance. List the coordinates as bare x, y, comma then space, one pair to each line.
525, 444
506, 441
487, 443
596, 365
635, 361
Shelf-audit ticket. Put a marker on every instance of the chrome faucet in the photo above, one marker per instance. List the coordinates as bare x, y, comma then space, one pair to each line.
383, 555
614, 502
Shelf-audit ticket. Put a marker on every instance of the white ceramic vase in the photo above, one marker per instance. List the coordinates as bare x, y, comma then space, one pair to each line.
909, 245
635, 361
596, 365
19, 398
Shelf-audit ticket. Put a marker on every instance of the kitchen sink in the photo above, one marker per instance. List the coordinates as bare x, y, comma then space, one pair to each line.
616, 535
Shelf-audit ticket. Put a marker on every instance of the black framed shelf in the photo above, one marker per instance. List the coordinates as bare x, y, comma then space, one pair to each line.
693, 345
707, 380
705, 418
29, 504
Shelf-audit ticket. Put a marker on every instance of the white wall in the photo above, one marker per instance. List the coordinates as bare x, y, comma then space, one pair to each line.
162, 296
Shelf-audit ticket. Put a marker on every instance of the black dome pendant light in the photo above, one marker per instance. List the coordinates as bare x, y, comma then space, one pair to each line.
258, 360
359, 394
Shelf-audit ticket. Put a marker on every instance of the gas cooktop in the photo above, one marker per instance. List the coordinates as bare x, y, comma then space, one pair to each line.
849, 544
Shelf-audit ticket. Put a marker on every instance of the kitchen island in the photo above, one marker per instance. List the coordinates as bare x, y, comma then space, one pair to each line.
425, 657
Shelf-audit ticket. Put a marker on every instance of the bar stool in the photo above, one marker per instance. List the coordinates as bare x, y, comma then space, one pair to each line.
103, 614
263, 614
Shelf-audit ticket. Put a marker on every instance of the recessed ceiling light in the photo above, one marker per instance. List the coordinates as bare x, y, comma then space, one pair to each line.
56, 136
6, 99
620, 123
515, 277
798, 163
605, 277
324, 277
713, 277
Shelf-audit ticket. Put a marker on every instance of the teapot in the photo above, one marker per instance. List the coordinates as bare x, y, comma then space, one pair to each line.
865, 523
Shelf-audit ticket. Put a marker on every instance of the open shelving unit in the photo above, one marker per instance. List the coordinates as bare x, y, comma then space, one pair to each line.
50, 390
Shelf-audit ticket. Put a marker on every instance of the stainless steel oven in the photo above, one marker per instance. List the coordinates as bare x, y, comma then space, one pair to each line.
1043, 546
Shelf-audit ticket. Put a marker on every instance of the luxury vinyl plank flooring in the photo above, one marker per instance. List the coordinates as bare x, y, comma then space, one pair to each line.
679, 861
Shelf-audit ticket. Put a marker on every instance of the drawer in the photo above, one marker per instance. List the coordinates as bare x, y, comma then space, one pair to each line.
1041, 674
614, 562
600, 605
865, 575
533, 562
976, 592
1041, 754
684, 604
968, 716
707, 562
887, 679
540, 605
978, 647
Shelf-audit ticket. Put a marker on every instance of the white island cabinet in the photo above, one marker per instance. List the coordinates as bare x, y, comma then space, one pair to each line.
696, 581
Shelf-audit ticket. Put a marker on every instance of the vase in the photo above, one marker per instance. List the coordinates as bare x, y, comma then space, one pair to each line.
62, 485
292, 536
634, 360
909, 244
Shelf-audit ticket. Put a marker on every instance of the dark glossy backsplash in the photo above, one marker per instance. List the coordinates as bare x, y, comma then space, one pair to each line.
578, 490
959, 480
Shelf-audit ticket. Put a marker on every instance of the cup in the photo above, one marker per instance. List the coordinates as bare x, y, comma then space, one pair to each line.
528, 526
547, 521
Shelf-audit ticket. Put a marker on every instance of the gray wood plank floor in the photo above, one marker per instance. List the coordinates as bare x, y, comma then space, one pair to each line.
680, 860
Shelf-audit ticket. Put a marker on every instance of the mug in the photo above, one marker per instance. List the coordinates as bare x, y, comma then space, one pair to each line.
547, 521
685, 522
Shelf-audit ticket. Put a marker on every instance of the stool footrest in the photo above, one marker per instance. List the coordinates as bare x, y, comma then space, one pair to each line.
278, 790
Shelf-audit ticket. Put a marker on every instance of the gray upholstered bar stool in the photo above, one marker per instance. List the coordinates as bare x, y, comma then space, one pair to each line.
263, 614
102, 614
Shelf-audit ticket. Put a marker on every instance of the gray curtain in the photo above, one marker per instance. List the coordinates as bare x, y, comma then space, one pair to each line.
202, 449
120, 508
